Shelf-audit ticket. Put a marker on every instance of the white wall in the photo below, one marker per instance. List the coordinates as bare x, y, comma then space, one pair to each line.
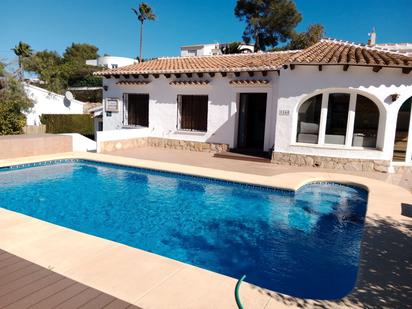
82, 143
209, 49
222, 108
298, 84
46, 102
201, 50
108, 61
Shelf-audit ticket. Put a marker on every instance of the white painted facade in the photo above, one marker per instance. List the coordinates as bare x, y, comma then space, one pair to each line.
46, 102
222, 108
295, 86
286, 91
111, 62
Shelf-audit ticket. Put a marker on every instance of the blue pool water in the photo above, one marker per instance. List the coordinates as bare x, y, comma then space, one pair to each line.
304, 244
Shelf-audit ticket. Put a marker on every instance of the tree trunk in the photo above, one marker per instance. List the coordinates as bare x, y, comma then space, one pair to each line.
20, 73
257, 43
141, 42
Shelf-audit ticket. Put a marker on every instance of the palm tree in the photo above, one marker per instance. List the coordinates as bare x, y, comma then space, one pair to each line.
144, 12
22, 50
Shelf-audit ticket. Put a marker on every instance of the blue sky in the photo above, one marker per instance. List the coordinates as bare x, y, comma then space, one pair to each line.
111, 25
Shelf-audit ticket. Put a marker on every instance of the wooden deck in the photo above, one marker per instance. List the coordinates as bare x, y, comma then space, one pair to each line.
27, 285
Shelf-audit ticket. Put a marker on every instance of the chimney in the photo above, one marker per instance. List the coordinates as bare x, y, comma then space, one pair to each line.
372, 37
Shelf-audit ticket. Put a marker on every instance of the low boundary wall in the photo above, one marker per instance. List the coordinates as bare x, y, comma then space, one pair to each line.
14, 146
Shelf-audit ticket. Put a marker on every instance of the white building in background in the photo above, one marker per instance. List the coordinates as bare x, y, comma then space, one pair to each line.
209, 49
336, 104
111, 62
404, 48
46, 102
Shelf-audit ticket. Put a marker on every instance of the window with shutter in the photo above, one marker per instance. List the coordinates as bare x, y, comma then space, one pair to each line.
193, 112
138, 110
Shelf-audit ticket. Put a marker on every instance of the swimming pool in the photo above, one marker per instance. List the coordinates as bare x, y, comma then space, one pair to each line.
304, 244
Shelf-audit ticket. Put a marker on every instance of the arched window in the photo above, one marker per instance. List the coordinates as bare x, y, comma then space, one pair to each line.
308, 120
365, 131
350, 119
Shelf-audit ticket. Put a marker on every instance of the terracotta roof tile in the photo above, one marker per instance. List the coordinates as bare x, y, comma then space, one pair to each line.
189, 83
133, 82
338, 52
249, 82
325, 52
205, 64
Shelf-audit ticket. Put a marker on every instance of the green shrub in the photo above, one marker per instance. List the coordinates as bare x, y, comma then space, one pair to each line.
13, 102
82, 124
86, 81
88, 95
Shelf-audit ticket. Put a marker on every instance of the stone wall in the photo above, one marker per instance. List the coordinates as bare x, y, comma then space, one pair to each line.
159, 142
14, 146
401, 169
331, 162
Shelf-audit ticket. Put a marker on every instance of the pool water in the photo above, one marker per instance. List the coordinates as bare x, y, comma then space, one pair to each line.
304, 244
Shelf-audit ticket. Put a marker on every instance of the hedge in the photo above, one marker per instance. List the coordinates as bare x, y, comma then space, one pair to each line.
82, 123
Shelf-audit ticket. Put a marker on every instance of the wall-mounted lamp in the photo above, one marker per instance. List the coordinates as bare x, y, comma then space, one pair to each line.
395, 96
105, 88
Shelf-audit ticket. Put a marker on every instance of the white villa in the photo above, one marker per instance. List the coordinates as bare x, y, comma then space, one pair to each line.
210, 49
47, 102
336, 104
111, 62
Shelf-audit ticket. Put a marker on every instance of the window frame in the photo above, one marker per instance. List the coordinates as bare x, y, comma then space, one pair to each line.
299, 122
350, 121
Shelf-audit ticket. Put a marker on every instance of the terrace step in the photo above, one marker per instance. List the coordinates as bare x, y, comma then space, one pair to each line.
260, 157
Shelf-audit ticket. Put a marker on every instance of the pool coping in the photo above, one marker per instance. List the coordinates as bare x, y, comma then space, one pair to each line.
139, 277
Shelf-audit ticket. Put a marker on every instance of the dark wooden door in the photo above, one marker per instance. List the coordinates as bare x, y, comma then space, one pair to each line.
251, 122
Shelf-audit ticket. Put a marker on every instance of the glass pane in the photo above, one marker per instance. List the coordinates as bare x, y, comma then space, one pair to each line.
338, 108
402, 129
308, 120
365, 131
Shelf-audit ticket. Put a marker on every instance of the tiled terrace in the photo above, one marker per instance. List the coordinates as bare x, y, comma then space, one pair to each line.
205, 159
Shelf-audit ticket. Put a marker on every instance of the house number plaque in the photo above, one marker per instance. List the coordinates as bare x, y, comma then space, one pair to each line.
112, 105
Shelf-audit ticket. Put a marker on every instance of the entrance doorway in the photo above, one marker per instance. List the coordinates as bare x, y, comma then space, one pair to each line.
402, 130
251, 122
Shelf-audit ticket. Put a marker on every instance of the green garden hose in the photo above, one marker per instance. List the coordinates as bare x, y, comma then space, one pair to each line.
238, 302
